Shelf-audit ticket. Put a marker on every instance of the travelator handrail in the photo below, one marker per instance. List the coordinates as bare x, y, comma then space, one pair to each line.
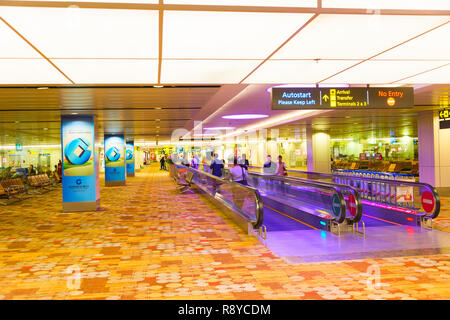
259, 209
332, 189
345, 189
367, 185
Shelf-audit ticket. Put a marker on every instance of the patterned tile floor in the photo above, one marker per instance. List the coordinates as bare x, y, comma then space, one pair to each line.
150, 242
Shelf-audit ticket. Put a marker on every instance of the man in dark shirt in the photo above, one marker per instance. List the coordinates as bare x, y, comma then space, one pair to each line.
217, 166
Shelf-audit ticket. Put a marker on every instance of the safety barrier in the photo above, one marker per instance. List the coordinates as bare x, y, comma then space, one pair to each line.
325, 201
243, 200
396, 190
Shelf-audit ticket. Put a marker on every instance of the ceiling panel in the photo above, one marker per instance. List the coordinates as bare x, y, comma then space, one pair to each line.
388, 4
259, 3
335, 36
226, 35
27, 71
110, 70
107, 1
297, 71
433, 45
206, 71
439, 75
382, 71
87, 33
12, 46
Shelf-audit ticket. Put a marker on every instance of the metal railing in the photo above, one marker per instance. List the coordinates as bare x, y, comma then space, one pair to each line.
405, 195
244, 200
305, 193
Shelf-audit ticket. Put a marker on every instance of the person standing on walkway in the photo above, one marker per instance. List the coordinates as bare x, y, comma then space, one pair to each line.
216, 166
281, 167
281, 171
270, 166
216, 170
238, 174
245, 162
194, 162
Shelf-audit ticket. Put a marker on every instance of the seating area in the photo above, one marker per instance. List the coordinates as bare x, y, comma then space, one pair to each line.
17, 189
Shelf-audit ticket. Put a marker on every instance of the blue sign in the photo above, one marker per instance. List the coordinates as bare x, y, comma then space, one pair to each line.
78, 158
115, 158
130, 156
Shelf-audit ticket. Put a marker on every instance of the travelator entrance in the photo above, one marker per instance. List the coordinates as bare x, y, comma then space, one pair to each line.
304, 220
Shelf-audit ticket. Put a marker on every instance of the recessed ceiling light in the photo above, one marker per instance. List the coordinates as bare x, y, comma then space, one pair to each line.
245, 116
42, 88
45, 128
157, 119
158, 86
157, 108
74, 113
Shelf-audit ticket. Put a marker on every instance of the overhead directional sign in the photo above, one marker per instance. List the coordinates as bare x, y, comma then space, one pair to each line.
342, 98
444, 114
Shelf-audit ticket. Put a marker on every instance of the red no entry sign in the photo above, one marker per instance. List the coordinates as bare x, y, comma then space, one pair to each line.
427, 201
352, 205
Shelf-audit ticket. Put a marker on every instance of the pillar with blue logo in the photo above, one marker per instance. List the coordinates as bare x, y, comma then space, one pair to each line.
130, 157
80, 179
115, 160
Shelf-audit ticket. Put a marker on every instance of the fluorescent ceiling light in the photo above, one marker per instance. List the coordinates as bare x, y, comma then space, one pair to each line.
388, 4
440, 75
26, 71
227, 35
297, 71
110, 71
432, 45
309, 85
245, 116
219, 128
206, 71
87, 33
348, 36
375, 71
255, 3
205, 134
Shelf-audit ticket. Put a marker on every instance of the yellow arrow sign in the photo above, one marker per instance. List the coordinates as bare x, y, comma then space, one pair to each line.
325, 98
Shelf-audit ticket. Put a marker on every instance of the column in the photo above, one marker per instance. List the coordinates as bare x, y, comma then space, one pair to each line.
80, 163
130, 157
115, 164
318, 151
434, 154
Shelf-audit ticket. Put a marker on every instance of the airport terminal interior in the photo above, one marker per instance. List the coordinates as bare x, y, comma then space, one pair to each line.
225, 150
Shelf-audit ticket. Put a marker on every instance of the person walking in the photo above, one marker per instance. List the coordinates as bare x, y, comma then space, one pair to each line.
162, 162
60, 168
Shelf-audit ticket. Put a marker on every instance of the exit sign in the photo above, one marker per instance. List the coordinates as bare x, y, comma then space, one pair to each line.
18, 147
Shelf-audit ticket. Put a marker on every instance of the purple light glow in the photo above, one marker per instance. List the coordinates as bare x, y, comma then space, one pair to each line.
245, 116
